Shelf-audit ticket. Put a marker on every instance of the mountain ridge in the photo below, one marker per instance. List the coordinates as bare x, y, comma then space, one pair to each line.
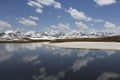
10, 36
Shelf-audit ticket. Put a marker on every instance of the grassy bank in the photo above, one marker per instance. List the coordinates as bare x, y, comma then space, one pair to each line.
104, 39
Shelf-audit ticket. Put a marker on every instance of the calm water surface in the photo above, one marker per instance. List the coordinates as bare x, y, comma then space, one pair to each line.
31, 61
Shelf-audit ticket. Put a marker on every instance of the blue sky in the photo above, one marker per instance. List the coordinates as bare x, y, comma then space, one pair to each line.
37, 15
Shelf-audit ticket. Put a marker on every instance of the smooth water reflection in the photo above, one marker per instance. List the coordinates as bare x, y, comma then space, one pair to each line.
32, 61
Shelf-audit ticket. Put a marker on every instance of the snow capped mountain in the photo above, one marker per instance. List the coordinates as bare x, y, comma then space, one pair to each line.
10, 35
33, 34
2, 33
50, 35
53, 33
72, 34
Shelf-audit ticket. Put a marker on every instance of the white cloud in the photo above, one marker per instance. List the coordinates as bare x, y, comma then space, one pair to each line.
35, 4
33, 17
39, 10
108, 76
81, 25
39, 4
79, 15
57, 5
27, 22
116, 30
61, 27
109, 25
50, 3
4, 24
104, 2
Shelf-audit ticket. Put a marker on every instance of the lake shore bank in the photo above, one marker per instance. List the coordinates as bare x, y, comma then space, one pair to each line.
87, 45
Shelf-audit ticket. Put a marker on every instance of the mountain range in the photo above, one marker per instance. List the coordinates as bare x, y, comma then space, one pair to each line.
51, 35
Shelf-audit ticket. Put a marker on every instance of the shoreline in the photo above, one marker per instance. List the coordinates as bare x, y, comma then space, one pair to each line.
23, 41
87, 45
76, 45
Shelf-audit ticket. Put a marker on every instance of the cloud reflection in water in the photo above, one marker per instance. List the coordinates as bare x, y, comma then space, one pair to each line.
42, 57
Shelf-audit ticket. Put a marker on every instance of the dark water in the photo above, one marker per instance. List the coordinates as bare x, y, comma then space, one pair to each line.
32, 61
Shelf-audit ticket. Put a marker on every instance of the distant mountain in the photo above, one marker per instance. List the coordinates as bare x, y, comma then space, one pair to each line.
50, 35
2, 33
9, 35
